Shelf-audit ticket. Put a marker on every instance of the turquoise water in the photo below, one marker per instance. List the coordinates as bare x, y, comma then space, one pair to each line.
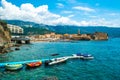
105, 65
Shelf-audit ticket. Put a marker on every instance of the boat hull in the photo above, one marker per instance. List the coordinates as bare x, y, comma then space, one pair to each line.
87, 58
13, 67
83, 56
34, 64
55, 61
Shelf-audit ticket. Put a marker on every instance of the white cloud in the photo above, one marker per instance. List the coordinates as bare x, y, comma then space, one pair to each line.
27, 12
60, 5
84, 8
72, 1
113, 14
98, 22
71, 15
67, 12
41, 14
91, 16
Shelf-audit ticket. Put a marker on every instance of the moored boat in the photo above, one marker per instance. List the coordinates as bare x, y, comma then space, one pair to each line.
34, 64
87, 56
13, 66
82, 56
56, 61
78, 55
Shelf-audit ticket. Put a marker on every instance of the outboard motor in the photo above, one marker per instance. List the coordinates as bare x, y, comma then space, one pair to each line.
47, 62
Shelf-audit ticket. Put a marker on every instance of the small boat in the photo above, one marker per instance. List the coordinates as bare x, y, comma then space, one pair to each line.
87, 56
13, 67
56, 61
82, 56
34, 64
78, 55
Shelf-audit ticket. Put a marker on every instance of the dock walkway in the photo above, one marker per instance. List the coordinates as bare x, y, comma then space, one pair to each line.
29, 61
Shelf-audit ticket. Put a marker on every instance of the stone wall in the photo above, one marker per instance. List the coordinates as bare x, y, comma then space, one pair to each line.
95, 36
100, 36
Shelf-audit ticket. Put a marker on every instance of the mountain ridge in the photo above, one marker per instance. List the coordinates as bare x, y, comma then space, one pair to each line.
62, 29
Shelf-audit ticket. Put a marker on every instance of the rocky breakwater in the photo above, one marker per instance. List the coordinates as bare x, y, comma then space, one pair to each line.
5, 38
94, 36
100, 36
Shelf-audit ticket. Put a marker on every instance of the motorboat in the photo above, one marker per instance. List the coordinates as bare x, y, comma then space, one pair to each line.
56, 61
82, 56
87, 56
13, 66
78, 55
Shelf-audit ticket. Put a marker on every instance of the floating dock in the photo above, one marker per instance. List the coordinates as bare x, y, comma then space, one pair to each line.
29, 61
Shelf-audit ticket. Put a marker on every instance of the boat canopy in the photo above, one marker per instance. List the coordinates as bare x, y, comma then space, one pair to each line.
86, 55
79, 54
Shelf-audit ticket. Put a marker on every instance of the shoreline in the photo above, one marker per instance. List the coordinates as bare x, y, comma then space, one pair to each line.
65, 41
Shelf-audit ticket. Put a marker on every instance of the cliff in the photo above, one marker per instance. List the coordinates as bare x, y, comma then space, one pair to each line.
5, 37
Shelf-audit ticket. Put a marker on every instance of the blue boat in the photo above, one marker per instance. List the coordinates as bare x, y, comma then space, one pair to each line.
79, 54
83, 56
87, 56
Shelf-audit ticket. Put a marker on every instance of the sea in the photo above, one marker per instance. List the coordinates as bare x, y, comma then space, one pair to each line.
104, 66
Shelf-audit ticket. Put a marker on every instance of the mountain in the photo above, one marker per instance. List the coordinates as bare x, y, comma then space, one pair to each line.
61, 29
30, 27
25, 23
112, 32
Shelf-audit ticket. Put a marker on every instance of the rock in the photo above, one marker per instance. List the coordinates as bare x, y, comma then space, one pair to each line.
55, 54
17, 48
18, 45
95, 36
50, 78
5, 37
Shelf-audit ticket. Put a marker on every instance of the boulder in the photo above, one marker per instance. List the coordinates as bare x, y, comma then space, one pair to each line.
50, 78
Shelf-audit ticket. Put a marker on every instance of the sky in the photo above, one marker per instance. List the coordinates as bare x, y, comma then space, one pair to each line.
63, 12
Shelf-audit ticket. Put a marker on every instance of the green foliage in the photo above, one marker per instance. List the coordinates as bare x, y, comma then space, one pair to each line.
33, 30
4, 24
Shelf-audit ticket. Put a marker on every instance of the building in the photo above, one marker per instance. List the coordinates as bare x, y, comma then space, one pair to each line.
46, 37
15, 29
